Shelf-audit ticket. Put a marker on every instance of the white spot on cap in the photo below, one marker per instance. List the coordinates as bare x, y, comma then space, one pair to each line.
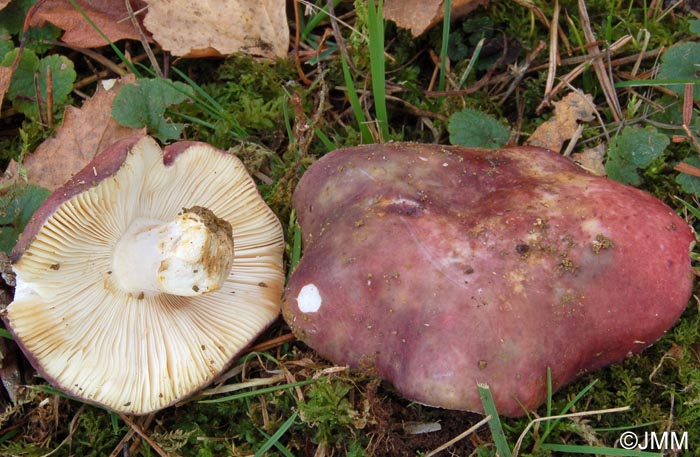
309, 299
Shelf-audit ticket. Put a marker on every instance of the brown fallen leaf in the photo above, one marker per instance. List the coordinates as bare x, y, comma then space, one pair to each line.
85, 132
5, 77
568, 113
110, 16
420, 15
591, 159
4, 3
219, 27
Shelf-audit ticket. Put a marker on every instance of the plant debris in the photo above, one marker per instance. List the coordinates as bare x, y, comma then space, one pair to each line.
85, 132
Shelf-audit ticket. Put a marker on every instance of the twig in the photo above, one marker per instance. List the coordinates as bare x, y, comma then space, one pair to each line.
144, 423
459, 437
615, 62
72, 428
573, 74
688, 94
414, 110
521, 70
602, 74
103, 74
119, 449
274, 342
143, 435
645, 44
688, 169
339, 36
297, 40
553, 57
475, 87
519, 443
142, 38
257, 382
96, 56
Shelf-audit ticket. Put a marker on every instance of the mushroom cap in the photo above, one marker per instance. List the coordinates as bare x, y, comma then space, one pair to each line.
442, 267
130, 353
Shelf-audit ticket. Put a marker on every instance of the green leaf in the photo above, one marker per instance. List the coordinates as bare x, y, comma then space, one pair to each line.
143, 104
689, 183
38, 39
694, 26
22, 83
12, 17
633, 149
16, 208
5, 47
22, 90
680, 62
475, 129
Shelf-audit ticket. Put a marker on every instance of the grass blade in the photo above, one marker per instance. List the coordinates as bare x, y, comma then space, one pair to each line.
296, 244
114, 419
116, 50
266, 390
472, 62
693, 210
321, 14
445, 43
551, 424
499, 438
325, 140
655, 82
597, 450
377, 67
355, 103
274, 439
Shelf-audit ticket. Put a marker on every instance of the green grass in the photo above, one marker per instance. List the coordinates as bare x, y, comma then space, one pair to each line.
445, 43
378, 67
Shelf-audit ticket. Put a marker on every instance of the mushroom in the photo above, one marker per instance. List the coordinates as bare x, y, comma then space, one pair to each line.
443, 267
145, 275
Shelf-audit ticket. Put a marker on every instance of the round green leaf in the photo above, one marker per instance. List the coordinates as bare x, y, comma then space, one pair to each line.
475, 129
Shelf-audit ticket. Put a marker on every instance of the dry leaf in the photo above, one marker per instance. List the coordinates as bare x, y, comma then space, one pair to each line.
420, 15
568, 112
591, 159
5, 78
219, 27
110, 16
4, 3
85, 132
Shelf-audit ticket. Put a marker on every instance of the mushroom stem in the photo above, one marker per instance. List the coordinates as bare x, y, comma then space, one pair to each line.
190, 255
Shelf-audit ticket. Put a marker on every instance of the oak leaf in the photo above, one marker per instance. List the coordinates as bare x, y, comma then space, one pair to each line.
5, 78
110, 16
568, 113
591, 159
219, 27
85, 132
420, 15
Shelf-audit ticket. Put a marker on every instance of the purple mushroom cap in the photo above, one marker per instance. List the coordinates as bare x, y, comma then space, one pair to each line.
443, 267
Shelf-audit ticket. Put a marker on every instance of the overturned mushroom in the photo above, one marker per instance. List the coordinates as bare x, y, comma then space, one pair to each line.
144, 276
443, 267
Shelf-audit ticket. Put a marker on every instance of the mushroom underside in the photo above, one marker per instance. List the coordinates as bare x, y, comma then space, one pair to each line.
139, 349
